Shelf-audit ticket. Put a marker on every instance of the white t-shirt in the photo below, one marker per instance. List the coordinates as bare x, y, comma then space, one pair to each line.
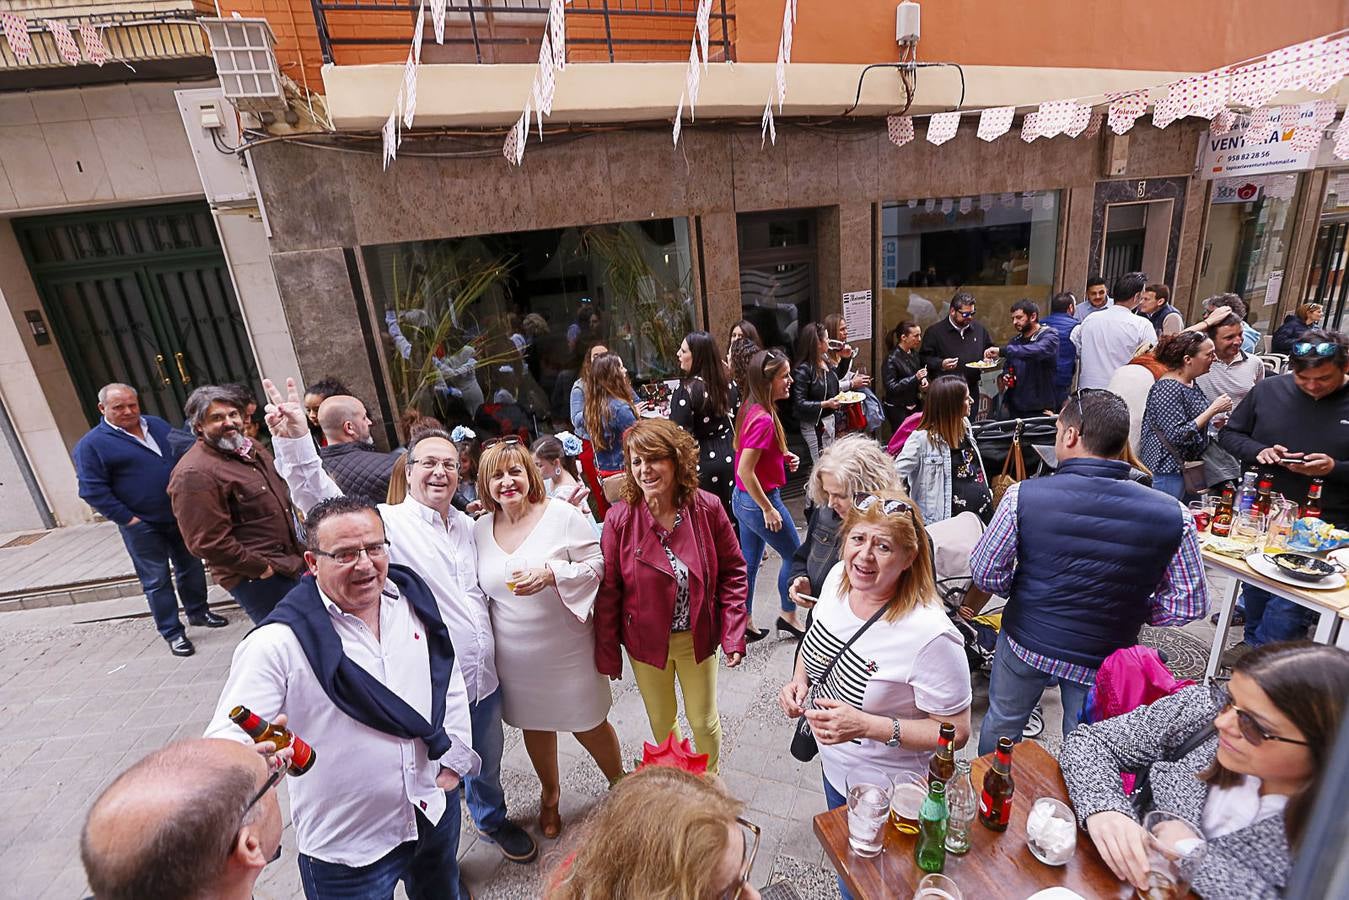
1240, 806
1107, 340
906, 669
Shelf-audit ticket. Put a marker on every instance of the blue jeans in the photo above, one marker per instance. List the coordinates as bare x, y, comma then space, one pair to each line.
259, 596
1270, 618
1013, 690
486, 799
833, 799
1172, 485
428, 866
152, 546
754, 535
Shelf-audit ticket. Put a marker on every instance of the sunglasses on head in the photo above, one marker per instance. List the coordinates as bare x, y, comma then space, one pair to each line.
1253, 731
507, 441
1324, 349
1081, 414
863, 501
772, 360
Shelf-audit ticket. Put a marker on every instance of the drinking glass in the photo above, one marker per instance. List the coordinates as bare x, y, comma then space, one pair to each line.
937, 887
868, 803
1176, 848
906, 801
1248, 528
1202, 511
1051, 831
516, 567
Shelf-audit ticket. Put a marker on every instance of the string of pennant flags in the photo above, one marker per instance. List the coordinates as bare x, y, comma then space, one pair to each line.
16, 30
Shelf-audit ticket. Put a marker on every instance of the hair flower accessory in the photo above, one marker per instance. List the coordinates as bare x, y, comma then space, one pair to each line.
571, 444
676, 755
462, 433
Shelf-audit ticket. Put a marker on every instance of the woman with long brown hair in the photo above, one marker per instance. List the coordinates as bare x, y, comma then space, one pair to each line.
578, 424
815, 389
703, 405
1244, 763
761, 464
609, 411
940, 461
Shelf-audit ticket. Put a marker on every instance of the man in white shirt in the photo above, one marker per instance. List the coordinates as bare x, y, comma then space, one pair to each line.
426, 534
1234, 371
1109, 339
361, 664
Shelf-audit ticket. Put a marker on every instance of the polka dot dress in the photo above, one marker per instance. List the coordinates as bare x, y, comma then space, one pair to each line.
715, 436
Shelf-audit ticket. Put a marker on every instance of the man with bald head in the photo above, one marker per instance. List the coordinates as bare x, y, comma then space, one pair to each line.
194, 820
351, 458
123, 466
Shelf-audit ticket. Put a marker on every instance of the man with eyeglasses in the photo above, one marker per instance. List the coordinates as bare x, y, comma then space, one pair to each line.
350, 456
1071, 601
359, 660
428, 535
198, 818
954, 341
1108, 339
1296, 427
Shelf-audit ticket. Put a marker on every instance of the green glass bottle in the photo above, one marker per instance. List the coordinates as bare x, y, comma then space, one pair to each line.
930, 848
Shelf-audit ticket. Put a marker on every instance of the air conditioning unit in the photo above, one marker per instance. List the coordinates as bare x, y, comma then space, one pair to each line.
245, 61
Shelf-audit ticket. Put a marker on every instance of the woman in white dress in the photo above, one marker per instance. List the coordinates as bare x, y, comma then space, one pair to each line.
540, 564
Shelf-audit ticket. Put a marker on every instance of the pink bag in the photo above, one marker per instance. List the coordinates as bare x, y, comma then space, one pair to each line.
906, 428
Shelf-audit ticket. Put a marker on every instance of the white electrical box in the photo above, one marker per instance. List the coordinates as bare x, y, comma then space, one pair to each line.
212, 131
908, 22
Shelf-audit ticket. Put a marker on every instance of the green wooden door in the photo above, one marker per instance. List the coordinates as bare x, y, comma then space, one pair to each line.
141, 296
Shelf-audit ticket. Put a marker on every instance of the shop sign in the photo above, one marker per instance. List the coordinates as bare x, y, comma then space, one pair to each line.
1228, 155
1238, 191
857, 314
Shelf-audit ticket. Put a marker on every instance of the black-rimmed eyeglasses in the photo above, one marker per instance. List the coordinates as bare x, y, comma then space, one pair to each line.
752, 835
349, 556
1255, 733
271, 782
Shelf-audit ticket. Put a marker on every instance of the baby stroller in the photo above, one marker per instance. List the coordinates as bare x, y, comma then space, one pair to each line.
995, 442
953, 541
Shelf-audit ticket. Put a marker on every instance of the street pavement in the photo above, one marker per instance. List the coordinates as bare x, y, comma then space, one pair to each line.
85, 691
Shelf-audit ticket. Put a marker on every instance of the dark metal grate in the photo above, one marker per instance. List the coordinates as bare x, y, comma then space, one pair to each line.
23, 540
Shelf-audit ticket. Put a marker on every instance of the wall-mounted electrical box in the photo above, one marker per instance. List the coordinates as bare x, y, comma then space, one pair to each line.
908, 22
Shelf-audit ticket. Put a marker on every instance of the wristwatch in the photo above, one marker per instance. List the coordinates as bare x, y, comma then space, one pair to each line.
894, 733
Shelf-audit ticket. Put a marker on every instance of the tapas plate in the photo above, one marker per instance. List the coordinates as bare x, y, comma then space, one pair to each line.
847, 397
983, 364
1266, 568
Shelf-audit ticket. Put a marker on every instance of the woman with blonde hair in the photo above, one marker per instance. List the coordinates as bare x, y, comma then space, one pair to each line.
940, 462
539, 563
882, 667
674, 588
663, 834
609, 411
1297, 323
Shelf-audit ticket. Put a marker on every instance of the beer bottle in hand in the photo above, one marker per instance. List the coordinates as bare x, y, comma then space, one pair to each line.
995, 802
943, 763
260, 730
930, 848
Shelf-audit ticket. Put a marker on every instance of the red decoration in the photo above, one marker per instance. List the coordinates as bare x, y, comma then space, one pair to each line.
675, 755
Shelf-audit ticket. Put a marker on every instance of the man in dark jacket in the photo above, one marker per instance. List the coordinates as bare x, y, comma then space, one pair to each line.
351, 458
1063, 320
123, 466
1032, 361
954, 341
1297, 427
233, 508
1072, 603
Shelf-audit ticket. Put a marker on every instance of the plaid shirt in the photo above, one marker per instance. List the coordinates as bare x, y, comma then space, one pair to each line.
1181, 596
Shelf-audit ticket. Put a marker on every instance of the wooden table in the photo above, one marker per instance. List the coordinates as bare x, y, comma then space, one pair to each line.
1329, 605
997, 865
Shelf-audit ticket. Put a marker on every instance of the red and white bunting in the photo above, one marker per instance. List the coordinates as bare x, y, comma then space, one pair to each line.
966, 204
65, 42
1125, 110
16, 33
899, 129
522, 126
1211, 96
994, 123
941, 127
1341, 148
693, 79
1288, 117
1332, 65
1165, 111
418, 31
1296, 65
1030, 126
94, 50
678, 120
1223, 123
1261, 126
546, 80
557, 34
1253, 84
702, 26
438, 20
389, 136
947, 205
1312, 121
1094, 126
1081, 118
785, 41
1055, 116
409, 91
766, 127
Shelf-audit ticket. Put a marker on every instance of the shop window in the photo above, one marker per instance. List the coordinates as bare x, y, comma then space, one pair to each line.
492, 328
1250, 224
1327, 284
778, 278
999, 247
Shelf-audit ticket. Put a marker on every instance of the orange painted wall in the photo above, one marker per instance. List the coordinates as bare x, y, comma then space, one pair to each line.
297, 38
1189, 35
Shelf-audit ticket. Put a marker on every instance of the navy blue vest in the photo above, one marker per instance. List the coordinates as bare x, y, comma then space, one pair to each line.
1091, 548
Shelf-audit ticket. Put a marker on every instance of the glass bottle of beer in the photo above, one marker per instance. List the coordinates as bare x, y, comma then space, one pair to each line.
962, 805
930, 848
260, 730
1221, 526
995, 802
943, 763
1312, 508
1262, 495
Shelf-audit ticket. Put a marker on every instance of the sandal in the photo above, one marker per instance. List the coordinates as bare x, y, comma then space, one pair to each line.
550, 820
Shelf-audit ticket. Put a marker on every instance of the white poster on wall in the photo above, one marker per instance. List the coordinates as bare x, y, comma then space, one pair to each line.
1273, 286
857, 314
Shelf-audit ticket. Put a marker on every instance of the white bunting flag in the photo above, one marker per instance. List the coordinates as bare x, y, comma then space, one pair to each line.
409, 90
693, 79
1211, 97
1332, 64
1079, 121
679, 118
1253, 85
966, 204
1312, 121
1223, 123
1027, 202
899, 129
389, 135
16, 33
557, 33
1008, 199
766, 127
1047, 202
94, 50
546, 80
994, 123
1165, 112
703, 20
941, 127
929, 204
1288, 117
912, 202
418, 30
508, 147
1030, 127
438, 20
522, 127
1294, 66
1055, 116
947, 206
1125, 110
65, 42
1261, 126
1094, 126
985, 201
1341, 148
786, 40
780, 80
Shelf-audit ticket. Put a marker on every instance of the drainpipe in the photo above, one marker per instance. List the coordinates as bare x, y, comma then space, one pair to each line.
21, 460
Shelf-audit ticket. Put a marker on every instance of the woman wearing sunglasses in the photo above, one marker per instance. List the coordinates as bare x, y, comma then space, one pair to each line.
881, 667
665, 833
1260, 749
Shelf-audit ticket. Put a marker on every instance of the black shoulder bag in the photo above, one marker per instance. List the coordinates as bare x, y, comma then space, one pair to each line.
1142, 793
804, 746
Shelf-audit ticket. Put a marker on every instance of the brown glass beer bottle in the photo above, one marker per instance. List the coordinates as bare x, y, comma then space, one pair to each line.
995, 801
943, 763
260, 730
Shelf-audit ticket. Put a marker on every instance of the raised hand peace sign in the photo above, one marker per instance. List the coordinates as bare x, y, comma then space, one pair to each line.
285, 418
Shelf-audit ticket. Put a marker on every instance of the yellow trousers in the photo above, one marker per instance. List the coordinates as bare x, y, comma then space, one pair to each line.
698, 684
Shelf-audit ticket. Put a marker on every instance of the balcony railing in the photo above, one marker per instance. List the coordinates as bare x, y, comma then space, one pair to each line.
509, 31
132, 30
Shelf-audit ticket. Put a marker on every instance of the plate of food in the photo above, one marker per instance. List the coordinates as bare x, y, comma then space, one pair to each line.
1295, 572
983, 364
848, 397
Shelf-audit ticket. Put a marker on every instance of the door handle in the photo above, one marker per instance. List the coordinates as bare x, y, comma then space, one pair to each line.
182, 369
159, 364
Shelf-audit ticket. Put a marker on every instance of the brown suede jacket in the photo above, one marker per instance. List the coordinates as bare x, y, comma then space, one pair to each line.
235, 513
